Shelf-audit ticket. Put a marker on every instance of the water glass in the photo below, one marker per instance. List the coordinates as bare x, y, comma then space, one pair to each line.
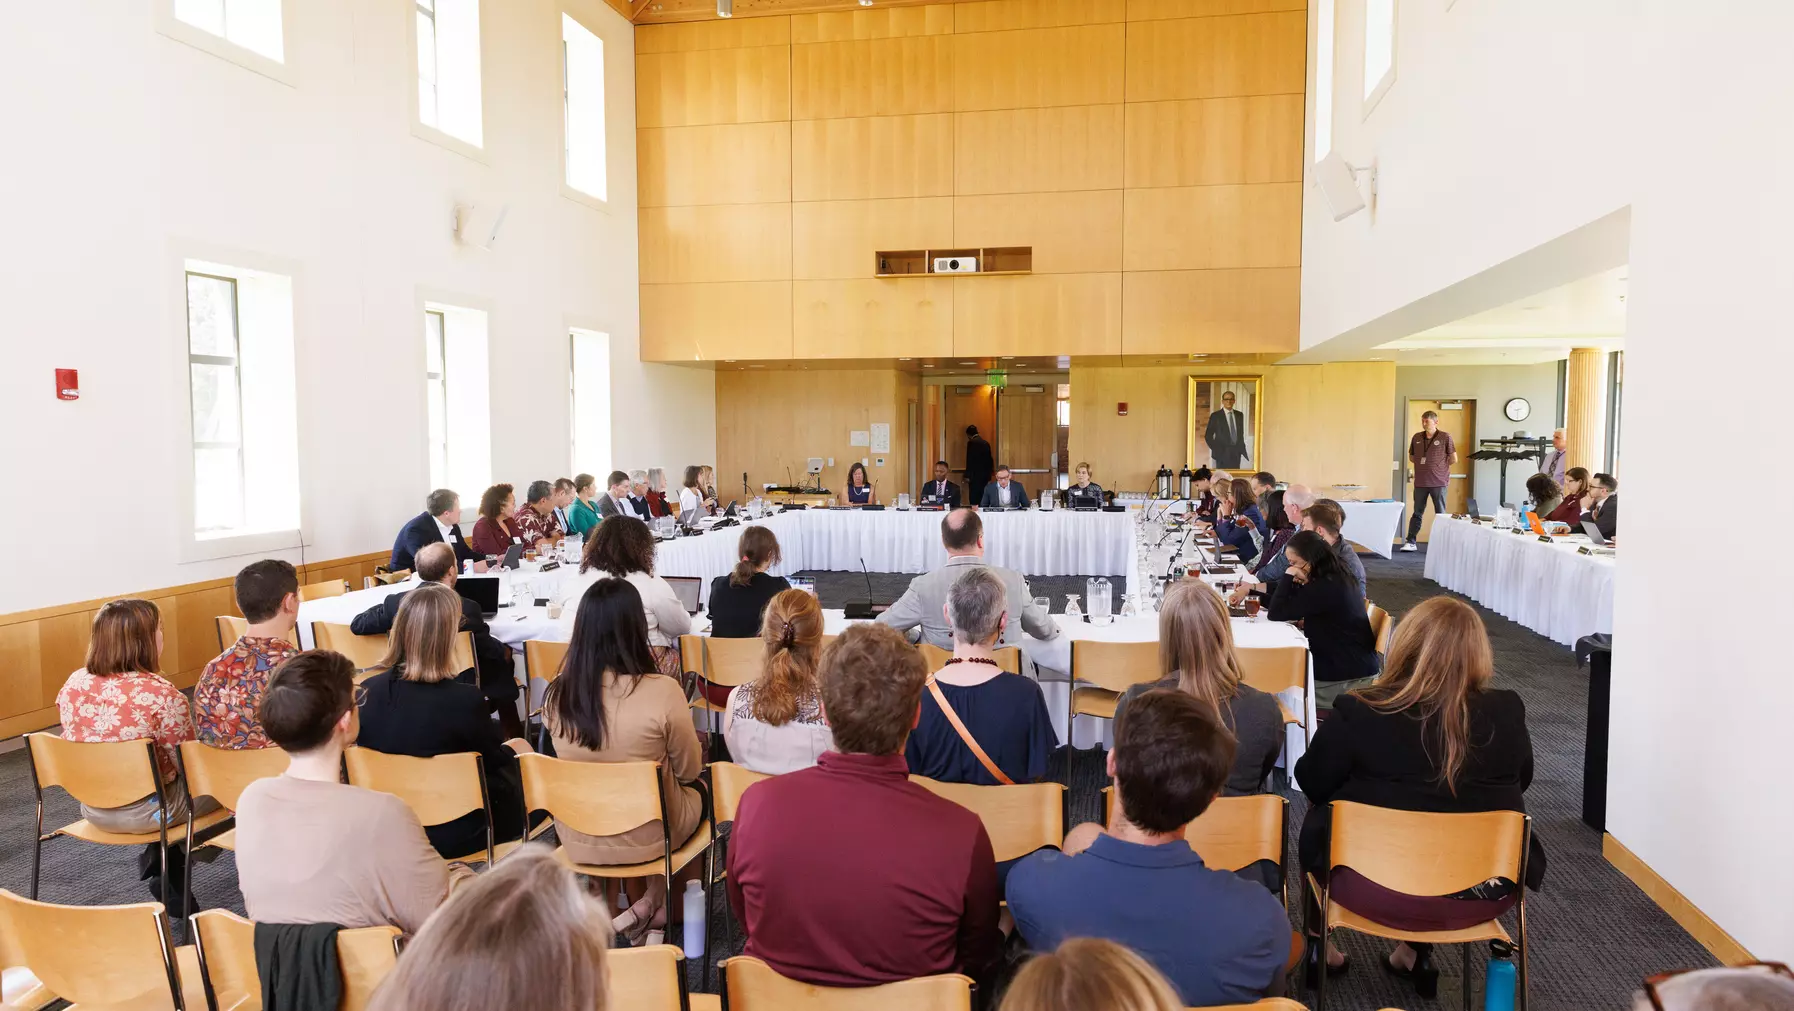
1072, 611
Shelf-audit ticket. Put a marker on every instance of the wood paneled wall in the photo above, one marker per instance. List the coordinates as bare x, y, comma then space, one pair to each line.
1149, 150
770, 423
1322, 423
40, 649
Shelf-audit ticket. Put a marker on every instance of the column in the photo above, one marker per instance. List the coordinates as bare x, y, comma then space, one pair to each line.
1585, 408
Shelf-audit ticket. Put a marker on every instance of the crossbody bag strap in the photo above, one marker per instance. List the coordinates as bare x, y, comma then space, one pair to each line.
965, 735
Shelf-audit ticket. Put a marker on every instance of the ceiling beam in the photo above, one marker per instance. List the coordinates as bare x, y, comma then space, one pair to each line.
671, 11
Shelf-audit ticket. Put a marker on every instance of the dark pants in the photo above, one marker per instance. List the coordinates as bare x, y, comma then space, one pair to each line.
1421, 496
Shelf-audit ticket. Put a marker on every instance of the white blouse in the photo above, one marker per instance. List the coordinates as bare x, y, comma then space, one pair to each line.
667, 617
690, 503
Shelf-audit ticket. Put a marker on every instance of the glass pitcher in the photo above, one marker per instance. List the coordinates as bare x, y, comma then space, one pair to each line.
1102, 602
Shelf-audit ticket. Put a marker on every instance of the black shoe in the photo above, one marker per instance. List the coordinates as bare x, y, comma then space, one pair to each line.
1424, 976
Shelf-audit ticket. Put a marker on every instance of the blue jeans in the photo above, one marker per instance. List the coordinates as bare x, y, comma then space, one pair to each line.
1421, 496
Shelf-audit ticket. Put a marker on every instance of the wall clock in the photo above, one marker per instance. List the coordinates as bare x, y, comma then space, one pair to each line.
1518, 409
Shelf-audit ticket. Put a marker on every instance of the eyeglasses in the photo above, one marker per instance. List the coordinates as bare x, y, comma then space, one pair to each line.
1766, 968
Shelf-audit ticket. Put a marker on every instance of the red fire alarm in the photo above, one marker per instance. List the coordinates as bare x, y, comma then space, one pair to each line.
1121, 408
68, 384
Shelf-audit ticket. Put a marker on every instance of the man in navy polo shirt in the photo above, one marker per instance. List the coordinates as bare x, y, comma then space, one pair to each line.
1219, 938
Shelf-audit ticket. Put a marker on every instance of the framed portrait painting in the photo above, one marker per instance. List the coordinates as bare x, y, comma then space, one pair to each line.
1225, 420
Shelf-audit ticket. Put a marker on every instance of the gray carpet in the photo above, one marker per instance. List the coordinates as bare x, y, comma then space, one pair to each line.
1594, 935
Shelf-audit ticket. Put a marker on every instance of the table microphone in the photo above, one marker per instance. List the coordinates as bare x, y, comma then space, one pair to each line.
855, 609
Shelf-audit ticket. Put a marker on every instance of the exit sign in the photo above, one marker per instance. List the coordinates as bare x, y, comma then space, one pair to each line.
996, 377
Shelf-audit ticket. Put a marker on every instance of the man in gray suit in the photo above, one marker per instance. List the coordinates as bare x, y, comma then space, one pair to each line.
615, 501
924, 604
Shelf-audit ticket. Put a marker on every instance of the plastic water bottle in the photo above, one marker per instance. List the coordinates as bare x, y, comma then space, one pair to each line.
1498, 991
695, 931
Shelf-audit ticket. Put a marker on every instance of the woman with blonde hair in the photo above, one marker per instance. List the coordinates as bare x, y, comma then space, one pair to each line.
774, 724
1090, 974
418, 705
1429, 734
523, 934
119, 694
1197, 656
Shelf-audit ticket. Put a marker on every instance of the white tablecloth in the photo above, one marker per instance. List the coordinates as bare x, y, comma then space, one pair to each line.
1549, 588
1370, 525
1055, 542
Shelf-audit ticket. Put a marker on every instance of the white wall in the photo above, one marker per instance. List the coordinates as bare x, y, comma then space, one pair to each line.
125, 147
1512, 123
1491, 386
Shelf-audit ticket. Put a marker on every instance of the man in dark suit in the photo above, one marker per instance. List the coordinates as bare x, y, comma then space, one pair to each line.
436, 564
1602, 505
1226, 435
615, 500
980, 462
941, 491
1004, 493
437, 524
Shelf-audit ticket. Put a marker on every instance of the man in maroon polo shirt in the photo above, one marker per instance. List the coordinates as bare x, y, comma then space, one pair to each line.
848, 874
1431, 452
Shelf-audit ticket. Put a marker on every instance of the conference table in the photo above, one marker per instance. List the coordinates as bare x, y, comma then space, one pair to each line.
1009, 538
1553, 589
1373, 526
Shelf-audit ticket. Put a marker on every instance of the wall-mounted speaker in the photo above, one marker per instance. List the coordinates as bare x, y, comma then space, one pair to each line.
1338, 181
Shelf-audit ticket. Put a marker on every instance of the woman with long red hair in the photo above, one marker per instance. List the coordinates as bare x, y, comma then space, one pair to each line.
774, 724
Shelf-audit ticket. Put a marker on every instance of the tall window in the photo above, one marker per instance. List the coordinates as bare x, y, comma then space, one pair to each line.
588, 386
448, 67
458, 399
436, 378
1323, 80
582, 79
252, 24
243, 404
1379, 50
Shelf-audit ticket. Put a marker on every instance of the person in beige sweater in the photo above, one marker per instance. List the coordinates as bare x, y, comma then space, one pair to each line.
311, 849
610, 705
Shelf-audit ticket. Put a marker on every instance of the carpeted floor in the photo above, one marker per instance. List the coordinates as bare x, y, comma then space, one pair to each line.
1594, 935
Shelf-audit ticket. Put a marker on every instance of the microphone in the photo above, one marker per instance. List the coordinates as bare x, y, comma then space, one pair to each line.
858, 610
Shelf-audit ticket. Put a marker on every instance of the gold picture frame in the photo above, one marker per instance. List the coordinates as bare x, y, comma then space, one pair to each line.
1204, 399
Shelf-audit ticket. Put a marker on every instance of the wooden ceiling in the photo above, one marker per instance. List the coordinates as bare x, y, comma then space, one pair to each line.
654, 12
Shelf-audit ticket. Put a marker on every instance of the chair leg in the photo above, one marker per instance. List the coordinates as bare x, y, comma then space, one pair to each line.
37, 856
1465, 981
1525, 983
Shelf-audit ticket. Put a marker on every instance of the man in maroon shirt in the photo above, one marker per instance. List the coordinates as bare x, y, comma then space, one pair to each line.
847, 873
1431, 452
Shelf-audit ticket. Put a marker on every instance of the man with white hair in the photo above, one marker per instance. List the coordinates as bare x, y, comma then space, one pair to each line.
638, 494
1558, 458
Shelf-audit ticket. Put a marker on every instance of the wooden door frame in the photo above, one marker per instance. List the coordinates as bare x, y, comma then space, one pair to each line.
1465, 446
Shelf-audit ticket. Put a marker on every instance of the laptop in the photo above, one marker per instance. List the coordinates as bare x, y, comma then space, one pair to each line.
1594, 533
513, 557
1537, 526
687, 587
482, 590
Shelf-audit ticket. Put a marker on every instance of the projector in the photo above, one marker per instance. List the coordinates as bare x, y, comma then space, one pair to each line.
956, 265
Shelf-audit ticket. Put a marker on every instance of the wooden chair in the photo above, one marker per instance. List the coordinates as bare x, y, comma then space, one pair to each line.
226, 949
437, 790
1267, 1004
1019, 819
463, 657
364, 651
752, 985
1234, 833
1279, 669
1423, 853
222, 774
230, 629
650, 978
1008, 658
1382, 626
542, 662
385, 577
610, 798
728, 663
102, 775
1113, 668
328, 588
113, 957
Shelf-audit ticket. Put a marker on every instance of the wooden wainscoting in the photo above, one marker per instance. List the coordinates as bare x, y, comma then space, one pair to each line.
40, 648
1699, 925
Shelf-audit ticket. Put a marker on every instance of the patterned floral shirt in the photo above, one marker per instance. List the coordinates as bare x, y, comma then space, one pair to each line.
231, 687
126, 707
534, 526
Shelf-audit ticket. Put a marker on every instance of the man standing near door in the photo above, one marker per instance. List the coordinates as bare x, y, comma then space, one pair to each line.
1226, 435
1431, 453
980, 464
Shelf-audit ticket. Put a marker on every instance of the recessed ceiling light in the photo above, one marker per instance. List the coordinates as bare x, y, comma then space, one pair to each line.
728, 361
927, 366
1009, 358
725, 8
756, 366
903, 359
968, 363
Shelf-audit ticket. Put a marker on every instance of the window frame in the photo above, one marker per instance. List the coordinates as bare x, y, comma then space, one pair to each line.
569, 190
281, 70
422, 130
439, 454
235, 363
1373, 93
418, 7
1326, 72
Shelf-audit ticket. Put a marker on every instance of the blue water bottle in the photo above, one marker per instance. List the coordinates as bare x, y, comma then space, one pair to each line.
1498, 991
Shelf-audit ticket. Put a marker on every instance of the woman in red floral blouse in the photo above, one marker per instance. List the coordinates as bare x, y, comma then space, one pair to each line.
121, 696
